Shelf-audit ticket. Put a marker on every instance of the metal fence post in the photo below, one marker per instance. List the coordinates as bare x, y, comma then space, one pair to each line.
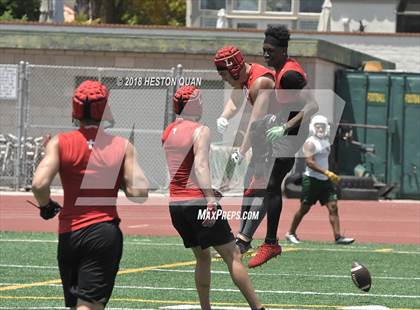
169, 113
20, 123
26, 106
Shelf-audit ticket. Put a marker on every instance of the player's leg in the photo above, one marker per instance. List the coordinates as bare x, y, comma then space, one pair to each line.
260, 154
68, 261
309, 196
232, 257
203, 276
273, 199
102, 245
184, 216
246, 201
221, 238
335, 224
252, 189
333, 217
250, 205
85, 305
273, 203
291, 234
328, 197
251, 224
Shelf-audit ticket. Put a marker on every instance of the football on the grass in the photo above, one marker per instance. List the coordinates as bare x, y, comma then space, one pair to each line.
361, 276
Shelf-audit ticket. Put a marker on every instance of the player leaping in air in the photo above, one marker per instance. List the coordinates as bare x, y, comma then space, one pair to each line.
289, 115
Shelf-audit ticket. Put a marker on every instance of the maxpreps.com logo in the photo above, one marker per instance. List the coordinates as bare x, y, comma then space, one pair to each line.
227, 215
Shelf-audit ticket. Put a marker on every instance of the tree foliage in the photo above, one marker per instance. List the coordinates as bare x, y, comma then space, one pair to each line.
134, 12
161, 12
19, 9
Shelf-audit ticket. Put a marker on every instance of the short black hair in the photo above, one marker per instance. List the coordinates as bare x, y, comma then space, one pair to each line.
280, 32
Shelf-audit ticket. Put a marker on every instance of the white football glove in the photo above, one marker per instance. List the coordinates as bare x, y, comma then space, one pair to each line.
222, 124
236, 157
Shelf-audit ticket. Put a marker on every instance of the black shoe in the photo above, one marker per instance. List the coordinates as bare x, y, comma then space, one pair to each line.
243, 246
343, 240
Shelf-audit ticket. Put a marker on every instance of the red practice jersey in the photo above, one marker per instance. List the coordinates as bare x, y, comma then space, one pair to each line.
178, 143
255, 72
283, 97
91, 171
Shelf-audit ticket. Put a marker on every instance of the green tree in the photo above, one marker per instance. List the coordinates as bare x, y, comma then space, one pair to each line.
134, 12
19, 9
156, 12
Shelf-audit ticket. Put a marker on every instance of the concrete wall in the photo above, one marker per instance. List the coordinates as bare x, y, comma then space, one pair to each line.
57, 83
378, 16
105, 59
123, 60
321, 72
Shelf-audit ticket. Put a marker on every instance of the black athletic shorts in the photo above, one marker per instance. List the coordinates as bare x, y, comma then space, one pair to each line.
184, 215
89, 260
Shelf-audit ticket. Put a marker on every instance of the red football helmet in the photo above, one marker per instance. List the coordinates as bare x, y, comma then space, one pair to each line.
90, 101
187, 100
229, 58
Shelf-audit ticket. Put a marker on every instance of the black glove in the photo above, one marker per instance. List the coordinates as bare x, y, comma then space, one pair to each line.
50, 210
217, 194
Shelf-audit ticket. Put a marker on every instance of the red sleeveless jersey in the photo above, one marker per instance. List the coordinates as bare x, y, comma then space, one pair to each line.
178, 142
91, 167
255, 72
281, 96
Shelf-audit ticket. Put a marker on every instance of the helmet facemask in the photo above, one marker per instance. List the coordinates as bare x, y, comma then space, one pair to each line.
319, 127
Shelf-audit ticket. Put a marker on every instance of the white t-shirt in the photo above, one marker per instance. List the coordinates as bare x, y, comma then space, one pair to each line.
321, 153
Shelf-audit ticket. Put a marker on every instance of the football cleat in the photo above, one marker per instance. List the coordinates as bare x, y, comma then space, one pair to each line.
343, 240
265, 252
292, 238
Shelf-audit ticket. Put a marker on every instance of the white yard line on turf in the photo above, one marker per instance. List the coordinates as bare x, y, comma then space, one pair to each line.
308, 293
192, 307
284, 274
193, 289
227, 273
62, 308
350, 249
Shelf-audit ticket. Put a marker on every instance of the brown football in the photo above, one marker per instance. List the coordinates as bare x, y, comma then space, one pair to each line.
361, 276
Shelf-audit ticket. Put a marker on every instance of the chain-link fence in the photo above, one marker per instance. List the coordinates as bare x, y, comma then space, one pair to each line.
11, 85
140, 100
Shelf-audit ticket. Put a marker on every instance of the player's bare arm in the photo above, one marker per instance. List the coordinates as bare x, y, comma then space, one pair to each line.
235, 102
230, 109
308, 150
135, 184
45, 172
201, 150
260, 95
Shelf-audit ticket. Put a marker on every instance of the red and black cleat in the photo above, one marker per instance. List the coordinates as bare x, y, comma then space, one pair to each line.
265, 252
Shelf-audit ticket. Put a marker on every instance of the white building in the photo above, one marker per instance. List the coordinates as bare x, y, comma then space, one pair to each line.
255, 14
346, 15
